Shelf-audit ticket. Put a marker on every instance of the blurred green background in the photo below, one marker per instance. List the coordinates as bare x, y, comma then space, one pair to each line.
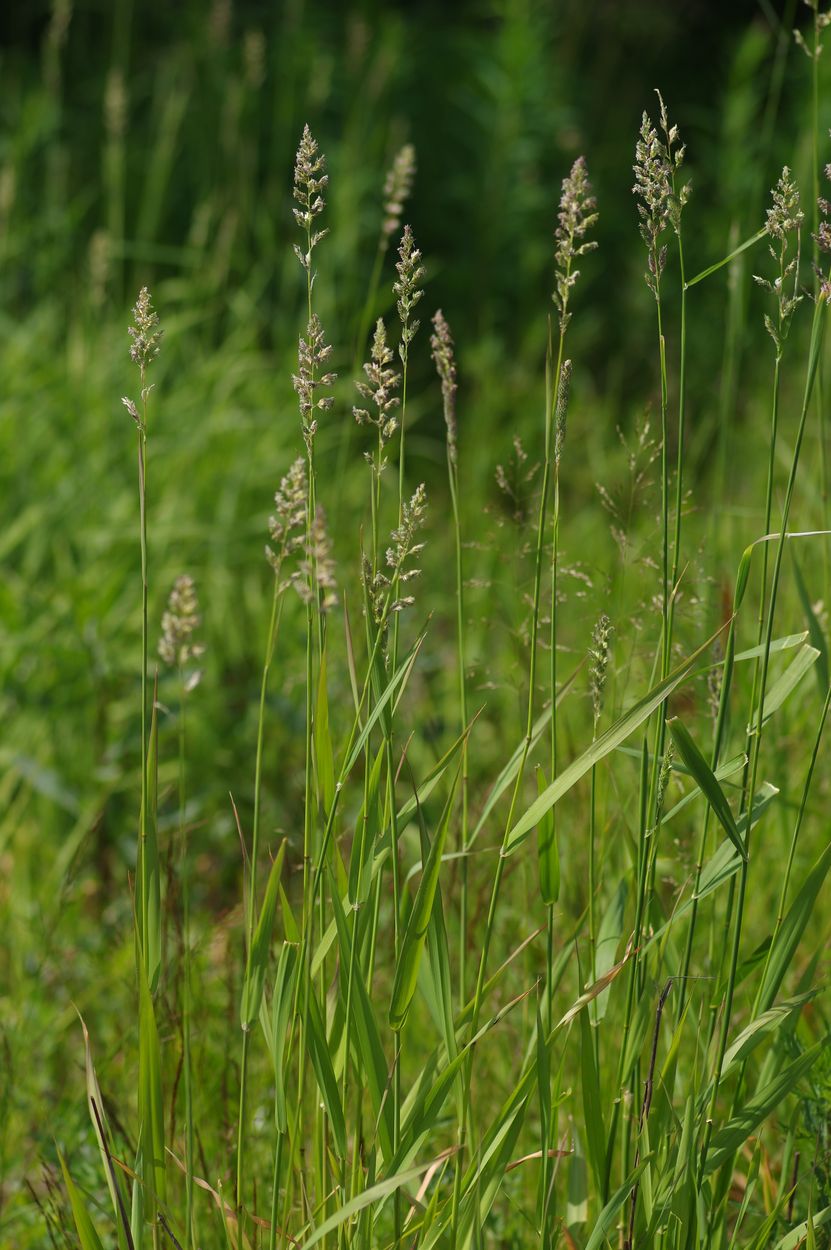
153, 144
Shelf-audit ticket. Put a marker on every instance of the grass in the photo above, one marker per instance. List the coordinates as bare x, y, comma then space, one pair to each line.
454, 874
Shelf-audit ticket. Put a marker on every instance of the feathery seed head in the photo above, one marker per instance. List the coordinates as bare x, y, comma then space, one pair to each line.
287, 524
561, 410
444, 358
397, 188
784, 215
784, 218
399, 556
653, 190
410, 272
312, 353
378, 389
144, 331
822, 238
309, 181
179, 623
317, 570
599, 656
577, 214
660, 203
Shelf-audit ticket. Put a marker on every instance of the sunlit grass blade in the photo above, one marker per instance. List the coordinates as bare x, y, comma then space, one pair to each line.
368, 1197
781, 689
84, 1226
622, 729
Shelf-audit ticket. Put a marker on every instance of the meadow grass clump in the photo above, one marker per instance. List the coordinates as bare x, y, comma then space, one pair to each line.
525, 943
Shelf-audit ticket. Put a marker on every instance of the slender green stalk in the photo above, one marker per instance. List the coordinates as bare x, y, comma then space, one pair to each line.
191, 1231
813, 360
250, 907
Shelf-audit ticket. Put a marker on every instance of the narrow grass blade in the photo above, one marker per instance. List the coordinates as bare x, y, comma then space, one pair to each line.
622, 729
368, 1039
150, 1105
705, 273
406, 972
281, 1007
784, 686
762, 1028
84, 1226
375, 1193
608, 940
608, 1216
793, 927
257, 962
815, 630
99, 1124
797, 1237
706, 781
593, 1120
736, 1131
398, 680
367, 830
324, 1071
149, 866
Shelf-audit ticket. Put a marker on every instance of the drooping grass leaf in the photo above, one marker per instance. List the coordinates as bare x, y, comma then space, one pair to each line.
706, 781
622, 729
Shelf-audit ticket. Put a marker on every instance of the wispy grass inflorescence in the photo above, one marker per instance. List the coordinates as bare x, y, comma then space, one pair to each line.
784, 220
317, 569
309, 181
577, 214
406, 289
400, 557
382, 381
442, 351
659, 206
312, 354
822, 238
287, 523
398, 186
144, 331
180, 621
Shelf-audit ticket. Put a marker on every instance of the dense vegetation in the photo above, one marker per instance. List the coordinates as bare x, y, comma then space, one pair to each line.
434, 851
